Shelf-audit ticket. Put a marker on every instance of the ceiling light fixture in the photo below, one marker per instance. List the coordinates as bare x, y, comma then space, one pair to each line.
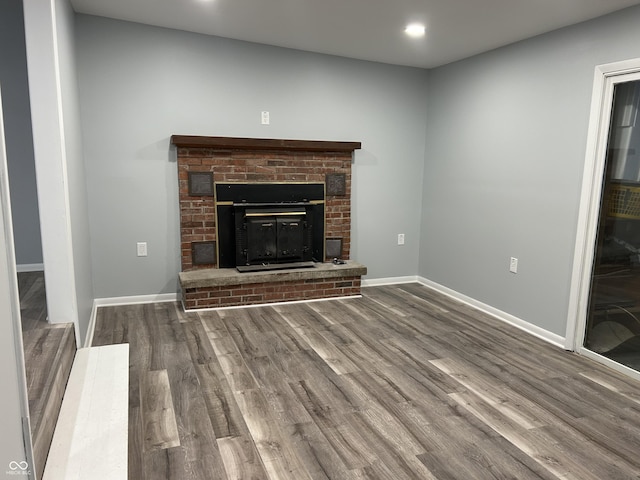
415, 30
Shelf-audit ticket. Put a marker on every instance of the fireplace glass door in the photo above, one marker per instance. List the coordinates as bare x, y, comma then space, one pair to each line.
261, 240
290, 236
274, 237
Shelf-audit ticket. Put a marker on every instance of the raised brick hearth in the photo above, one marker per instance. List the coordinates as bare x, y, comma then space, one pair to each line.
227, 287
204, 162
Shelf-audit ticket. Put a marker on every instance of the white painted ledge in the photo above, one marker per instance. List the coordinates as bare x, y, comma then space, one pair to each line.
91, 436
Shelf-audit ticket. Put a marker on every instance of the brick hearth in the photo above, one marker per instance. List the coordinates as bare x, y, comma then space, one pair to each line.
227, 287
244, 160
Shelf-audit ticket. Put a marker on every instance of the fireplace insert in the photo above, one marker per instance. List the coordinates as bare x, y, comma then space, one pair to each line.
270, 225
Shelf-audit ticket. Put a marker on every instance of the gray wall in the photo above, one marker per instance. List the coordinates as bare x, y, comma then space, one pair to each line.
22, 176
506, 140
139, 85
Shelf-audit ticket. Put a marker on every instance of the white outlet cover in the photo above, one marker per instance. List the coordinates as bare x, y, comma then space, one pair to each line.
142, 249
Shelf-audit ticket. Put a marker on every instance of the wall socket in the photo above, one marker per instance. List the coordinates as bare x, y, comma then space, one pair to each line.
513, 265
401, 239
142, 249
264, 117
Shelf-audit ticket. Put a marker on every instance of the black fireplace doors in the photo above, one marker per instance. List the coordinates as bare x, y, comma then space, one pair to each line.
269, 235
270, 225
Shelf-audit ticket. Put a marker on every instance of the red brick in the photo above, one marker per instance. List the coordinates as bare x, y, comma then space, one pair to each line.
191, 161
251, 299
279, 166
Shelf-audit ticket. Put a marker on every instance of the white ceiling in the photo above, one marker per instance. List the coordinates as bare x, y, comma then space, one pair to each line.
363, 29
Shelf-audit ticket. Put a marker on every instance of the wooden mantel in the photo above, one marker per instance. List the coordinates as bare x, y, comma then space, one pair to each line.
237, 143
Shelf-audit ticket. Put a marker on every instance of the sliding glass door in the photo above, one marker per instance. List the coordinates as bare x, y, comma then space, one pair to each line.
613, 314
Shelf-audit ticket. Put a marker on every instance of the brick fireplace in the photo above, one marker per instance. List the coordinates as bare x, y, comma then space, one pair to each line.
208, 167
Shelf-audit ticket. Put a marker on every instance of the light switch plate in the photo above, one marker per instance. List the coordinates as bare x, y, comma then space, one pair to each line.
513, 265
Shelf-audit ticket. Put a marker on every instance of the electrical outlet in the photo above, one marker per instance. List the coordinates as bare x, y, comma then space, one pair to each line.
513, 265
142, 249
265, 118
401, 239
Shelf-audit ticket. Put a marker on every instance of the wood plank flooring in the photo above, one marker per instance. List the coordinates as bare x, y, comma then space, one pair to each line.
49, 350
33, 300
403, 383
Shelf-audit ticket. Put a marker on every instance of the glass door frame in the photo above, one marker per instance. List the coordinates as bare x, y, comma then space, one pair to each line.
606, 77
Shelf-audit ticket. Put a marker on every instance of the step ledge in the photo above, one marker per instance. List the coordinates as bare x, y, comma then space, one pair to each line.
91, 435
217, 277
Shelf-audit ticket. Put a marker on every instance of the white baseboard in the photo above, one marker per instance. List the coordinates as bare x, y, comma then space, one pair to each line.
541, 333
88, 340
30, 267
378, 282
136, 299
114, 301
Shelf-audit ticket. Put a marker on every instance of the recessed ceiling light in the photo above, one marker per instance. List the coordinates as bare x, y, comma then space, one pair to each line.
415, 30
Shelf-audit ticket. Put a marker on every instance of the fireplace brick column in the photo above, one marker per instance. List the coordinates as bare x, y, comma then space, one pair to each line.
204, 161
227, 159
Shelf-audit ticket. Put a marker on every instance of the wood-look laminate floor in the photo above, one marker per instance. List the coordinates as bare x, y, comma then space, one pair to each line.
49, 350
33, 300
400, 384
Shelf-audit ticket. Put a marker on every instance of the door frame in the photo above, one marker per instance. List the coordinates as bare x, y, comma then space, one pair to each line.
605, 79
16, 455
